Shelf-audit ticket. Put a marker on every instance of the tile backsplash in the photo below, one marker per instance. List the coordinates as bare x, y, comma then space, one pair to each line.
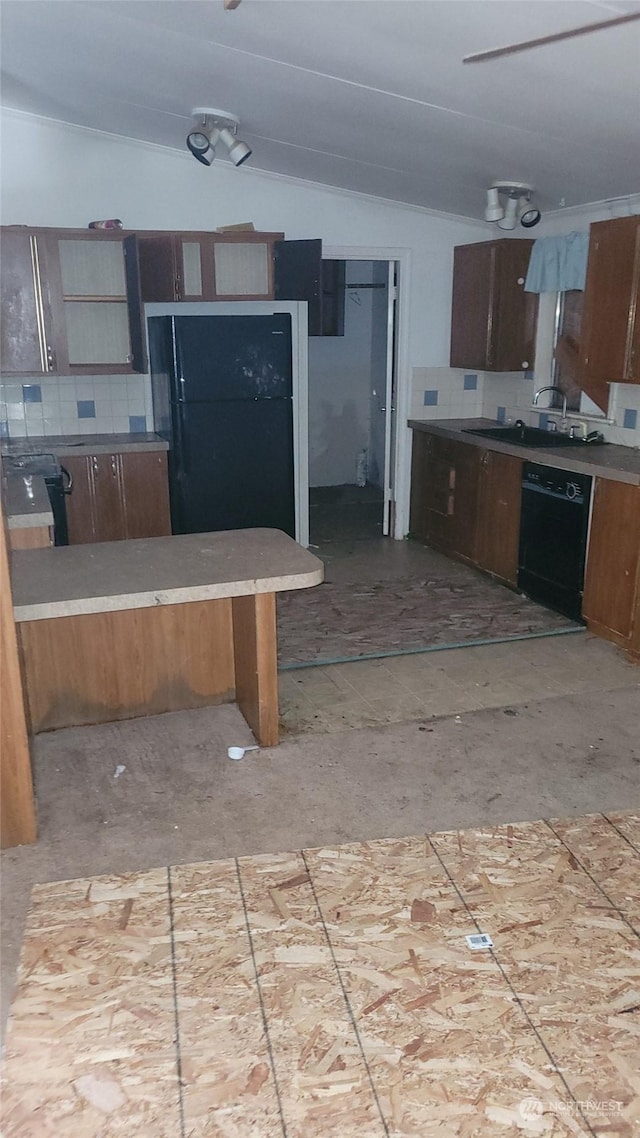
75, 405
452, 393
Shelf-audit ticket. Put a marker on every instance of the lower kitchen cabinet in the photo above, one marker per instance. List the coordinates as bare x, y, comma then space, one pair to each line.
118, 496
444, 490
498, 517
611, 603
465, 501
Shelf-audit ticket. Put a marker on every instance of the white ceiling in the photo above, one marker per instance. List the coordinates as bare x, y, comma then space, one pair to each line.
368, 96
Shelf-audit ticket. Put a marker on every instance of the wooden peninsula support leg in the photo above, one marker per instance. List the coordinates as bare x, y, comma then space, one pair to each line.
256, 664
18, 813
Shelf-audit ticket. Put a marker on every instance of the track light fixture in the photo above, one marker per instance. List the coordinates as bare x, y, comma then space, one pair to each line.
212, 126
518, 195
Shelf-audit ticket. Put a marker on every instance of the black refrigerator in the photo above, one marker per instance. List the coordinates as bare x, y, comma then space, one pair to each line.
222, 397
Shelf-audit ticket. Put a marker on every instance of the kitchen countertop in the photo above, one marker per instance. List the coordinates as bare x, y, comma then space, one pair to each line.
620, 464
65, 445
26, 502
21, 510
114, 575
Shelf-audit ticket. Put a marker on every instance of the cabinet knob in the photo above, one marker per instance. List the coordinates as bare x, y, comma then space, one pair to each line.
520, 280
525, 365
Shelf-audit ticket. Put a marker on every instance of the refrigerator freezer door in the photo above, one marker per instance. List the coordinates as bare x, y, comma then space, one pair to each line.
236, 466
233, 357
161, 368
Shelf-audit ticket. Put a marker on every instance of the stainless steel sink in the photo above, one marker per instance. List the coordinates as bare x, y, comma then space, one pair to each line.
524, 436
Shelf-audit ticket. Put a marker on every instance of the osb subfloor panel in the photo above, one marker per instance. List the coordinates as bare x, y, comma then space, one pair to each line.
331, 992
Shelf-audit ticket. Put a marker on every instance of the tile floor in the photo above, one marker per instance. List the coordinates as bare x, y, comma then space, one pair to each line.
427, 685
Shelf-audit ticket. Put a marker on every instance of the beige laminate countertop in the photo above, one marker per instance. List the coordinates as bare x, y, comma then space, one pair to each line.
26, 502
620, 464
66, 445
27, 506
114, 575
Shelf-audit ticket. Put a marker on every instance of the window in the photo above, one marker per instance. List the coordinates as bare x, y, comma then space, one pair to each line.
568, 322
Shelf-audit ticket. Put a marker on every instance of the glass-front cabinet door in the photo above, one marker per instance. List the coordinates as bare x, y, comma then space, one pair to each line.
94, 302
224, 267
88, 286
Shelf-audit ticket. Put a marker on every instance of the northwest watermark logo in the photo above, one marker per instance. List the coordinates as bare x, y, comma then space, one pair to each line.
532, 1108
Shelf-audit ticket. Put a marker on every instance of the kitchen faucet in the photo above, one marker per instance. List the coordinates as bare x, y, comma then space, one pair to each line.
557, 390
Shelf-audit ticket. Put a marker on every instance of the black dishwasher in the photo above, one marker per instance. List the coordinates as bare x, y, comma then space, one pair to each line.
553, 537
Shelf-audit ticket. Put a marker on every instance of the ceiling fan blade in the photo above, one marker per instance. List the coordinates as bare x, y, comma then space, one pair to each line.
510, 49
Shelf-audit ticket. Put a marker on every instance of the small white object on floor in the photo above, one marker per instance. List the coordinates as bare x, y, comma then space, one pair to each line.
479, 940
120, 769
239, 752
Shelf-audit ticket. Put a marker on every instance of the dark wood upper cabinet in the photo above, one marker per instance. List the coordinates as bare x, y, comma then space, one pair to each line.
610, 350
333, 274
26, 332
302, 274
66, 309
298, 276
493, 320
206, 266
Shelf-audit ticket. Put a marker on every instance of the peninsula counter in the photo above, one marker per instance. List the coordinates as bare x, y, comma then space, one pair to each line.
116, 630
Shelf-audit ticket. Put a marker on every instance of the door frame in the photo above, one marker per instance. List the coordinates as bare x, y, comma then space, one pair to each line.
401, 459
300, 379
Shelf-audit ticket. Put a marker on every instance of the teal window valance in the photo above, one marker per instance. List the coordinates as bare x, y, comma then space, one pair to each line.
558, 264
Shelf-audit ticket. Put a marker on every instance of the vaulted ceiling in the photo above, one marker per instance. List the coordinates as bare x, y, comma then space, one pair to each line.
365, 95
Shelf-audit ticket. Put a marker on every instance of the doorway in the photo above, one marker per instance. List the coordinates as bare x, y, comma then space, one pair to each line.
351, 402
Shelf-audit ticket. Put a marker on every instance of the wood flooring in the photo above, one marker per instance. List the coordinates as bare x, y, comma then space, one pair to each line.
333, 992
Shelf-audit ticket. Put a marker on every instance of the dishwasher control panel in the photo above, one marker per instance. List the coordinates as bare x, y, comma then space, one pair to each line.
565, 484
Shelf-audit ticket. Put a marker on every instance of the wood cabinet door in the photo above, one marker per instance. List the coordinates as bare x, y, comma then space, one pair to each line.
493, 320
464, 484
613, 559
440, 480
498, 516
80, 503
26, 318
609, 347
444, 491
513, 328
420, 489
298, 276
106, 476
157, 270
145, 491
473, 305
87, 280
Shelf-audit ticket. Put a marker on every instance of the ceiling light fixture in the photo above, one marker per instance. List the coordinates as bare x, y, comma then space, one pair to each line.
212, 126
518, 197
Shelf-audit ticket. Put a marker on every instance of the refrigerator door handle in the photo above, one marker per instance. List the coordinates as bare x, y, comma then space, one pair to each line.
181, 436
